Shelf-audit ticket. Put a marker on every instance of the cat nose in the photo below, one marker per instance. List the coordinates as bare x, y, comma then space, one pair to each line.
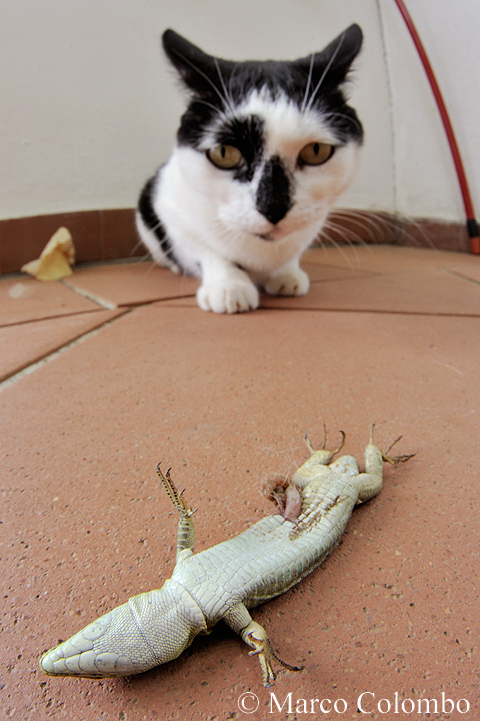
273, 199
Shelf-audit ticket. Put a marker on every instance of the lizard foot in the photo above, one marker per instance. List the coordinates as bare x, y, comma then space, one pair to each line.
176, 498
393, 460
255, 636
332, 453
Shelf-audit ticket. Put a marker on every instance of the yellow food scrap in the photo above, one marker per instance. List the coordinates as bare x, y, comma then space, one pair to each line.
56, 259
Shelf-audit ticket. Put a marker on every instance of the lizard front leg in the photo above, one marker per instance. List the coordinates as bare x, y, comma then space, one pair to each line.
317, 463
255, 636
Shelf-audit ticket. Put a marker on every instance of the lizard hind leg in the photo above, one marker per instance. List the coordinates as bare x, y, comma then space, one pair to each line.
186, 529
255, 636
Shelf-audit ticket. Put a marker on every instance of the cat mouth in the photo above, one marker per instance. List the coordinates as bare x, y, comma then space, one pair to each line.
264, 236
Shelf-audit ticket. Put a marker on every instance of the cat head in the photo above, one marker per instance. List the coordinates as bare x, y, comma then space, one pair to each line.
282, 130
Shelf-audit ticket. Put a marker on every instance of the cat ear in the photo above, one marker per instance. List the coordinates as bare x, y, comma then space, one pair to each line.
199, 71
332, 64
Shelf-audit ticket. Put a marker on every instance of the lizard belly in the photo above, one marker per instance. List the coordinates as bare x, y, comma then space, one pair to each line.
271, 556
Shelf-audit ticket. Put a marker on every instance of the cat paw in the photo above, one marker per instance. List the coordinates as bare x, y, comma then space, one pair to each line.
289, 282
228, 297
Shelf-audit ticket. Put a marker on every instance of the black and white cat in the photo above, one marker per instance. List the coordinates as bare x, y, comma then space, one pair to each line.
263, 151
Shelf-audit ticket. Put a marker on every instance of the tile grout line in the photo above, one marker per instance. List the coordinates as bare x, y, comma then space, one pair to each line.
421, 313
90, 296
461, 276
58, 316
11, 380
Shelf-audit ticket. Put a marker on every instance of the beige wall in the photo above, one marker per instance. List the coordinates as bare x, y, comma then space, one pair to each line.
425, 180
89, 108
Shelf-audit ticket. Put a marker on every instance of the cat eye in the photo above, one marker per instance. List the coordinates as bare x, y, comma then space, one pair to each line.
225, 156
315, 154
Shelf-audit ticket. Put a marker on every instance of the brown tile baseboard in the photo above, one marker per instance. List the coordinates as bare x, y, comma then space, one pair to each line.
358, 226
97, 234
110, 234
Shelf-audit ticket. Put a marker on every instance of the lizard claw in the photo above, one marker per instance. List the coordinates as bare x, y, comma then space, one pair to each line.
262, 649
332, 453
393, 460
176, 498
268, 674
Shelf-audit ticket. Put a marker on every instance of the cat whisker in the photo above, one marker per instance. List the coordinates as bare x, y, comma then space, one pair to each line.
143, 259
154, 228
224, 87
149, 268
324, 74
420, 230
354, 121
379, 223
218, 111
394, 227
231, 79
205, 77
373, 221
309, 81
359, 219
381, 227
135, 248
321, 243
354, 239
362, 224
228, 234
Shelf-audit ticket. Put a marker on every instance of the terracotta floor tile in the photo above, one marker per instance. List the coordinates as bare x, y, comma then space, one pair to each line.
466, 270
25, 299
381, 278
318, 270
388, 258
132, 283
189, 301
433, 291
225, 401
24, 344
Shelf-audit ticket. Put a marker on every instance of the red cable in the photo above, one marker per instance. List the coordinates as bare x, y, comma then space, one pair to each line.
472, 226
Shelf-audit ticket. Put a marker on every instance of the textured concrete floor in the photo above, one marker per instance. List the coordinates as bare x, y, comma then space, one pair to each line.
118, 370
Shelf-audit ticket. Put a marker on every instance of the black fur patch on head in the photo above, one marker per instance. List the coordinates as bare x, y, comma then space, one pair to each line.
217, 86
246, 134
273, 199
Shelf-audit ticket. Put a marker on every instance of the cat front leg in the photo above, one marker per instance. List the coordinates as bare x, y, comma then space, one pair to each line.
225, 287
289, 280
